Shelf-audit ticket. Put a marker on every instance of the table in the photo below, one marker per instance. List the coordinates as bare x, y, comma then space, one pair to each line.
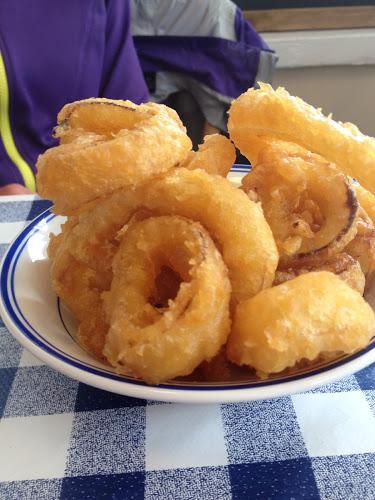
62, 439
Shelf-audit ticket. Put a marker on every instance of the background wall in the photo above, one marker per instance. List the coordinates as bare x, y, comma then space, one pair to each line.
346, 91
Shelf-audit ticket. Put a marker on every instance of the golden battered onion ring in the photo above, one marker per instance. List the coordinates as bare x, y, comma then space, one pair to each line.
341, 264
216, 156
310, 205
157, 345
366, 200
276, 113
362, 247
106, 145
236, 224
302, 318
80, 287
75, 283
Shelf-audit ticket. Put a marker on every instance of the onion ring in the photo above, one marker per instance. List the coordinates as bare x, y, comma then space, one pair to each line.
295, 188
316, 313
106, 145
236, 224
362, 247
157, 345
269, 112
89, 242
80, 288
366, 200
342, 265
216, 156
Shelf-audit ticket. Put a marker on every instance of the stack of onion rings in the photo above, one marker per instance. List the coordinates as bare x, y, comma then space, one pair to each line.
104, 228
196, 195
301, 160
160, 251
93, 242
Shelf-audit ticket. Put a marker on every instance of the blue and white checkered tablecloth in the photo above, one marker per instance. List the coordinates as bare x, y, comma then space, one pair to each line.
62, 439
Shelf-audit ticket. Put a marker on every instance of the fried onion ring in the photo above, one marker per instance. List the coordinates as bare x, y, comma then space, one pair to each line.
310, 205
362, 247
153, 344
316, 313
236, 224
105, 145
80, 288
216, 156
269, 112
366, 200
342, 265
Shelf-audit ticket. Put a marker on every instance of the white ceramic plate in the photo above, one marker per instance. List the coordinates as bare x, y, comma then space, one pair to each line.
38, 320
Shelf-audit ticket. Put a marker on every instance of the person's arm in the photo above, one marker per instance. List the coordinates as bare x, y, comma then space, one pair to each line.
14, 189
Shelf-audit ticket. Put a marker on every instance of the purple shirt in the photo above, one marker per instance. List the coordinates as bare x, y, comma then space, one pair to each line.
56, 52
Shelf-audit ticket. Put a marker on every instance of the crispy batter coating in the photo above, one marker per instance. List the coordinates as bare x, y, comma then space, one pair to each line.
216, 156
312, 314
159, 344
269, 112
105, 145
362, 247
80, 288
159, 249
366, 200
341, 264
310, 205
236, 224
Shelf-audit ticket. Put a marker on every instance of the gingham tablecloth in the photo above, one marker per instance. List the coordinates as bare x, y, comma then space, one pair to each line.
63, 439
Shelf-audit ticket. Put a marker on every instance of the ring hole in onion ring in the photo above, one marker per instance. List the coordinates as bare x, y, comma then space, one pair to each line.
167, 285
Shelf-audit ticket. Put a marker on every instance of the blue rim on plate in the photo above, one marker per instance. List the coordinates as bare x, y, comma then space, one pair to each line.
15, 316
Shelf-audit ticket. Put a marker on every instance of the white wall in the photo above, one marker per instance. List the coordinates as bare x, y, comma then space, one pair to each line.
346, 91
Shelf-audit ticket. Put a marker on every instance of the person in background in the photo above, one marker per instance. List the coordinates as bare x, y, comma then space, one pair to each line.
197, 56
52, 53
